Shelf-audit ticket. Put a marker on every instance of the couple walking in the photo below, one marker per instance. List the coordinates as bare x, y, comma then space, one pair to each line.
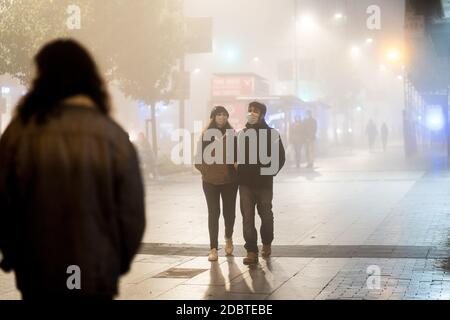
223, 180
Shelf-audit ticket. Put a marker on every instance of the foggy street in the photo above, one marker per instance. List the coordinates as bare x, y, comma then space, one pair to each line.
348, 193
332, 223
224, 150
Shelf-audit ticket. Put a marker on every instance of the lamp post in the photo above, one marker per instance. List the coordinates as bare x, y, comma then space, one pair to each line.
295, 49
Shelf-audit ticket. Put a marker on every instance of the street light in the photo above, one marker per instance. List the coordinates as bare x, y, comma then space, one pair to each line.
197, 70
338, 16
369, 40
355, 52
231, 53
6, 90
435, 119
307, 23
256, 59
393, 55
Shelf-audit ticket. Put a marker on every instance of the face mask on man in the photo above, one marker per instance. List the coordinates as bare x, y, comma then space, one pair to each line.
252, 118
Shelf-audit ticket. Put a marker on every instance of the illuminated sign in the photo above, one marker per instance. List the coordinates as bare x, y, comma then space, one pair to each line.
232, 86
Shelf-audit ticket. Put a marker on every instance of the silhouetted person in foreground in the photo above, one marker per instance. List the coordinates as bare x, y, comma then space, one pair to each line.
384, 136
71, 194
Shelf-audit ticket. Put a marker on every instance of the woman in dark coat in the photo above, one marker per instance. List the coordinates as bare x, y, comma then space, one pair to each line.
72, 202
219, 181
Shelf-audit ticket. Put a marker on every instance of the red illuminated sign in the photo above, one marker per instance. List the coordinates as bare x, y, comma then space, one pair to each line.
232, 86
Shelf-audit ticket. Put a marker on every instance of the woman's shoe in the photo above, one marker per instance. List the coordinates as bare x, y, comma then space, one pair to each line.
213, 255
266, 251
229, 247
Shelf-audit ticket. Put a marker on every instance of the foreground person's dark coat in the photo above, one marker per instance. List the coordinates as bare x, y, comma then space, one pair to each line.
70, 194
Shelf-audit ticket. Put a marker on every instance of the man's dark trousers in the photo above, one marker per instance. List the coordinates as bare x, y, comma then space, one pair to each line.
261, 198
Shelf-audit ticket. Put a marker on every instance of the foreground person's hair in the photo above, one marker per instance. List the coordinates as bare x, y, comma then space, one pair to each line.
64, 69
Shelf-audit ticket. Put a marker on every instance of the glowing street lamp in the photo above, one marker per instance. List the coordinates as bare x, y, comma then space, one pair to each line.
435, 119
231, 54
369, 40
355, 52
393, 55
338, 16
6, 90
307, 23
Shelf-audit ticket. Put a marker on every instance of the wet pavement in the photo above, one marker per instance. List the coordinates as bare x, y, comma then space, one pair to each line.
359, 226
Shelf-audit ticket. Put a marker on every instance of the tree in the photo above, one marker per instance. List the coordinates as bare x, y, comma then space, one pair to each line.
138, 42
24, 27
143, 41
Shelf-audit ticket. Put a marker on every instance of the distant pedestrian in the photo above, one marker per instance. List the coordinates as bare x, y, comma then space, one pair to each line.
71, 195
298, 140
219, 182
147, 157
310, 131
372, 133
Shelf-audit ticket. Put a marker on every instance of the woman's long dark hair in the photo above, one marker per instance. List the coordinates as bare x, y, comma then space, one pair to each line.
64, 69
213, 125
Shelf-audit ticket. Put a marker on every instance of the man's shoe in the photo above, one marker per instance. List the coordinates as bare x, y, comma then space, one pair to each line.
213, 255
251, 258
229, 247
266, 251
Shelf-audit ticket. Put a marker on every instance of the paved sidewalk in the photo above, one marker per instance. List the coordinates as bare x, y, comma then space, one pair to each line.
335, 227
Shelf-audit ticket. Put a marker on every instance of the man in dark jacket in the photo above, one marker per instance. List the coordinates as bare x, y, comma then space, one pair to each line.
255, 178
